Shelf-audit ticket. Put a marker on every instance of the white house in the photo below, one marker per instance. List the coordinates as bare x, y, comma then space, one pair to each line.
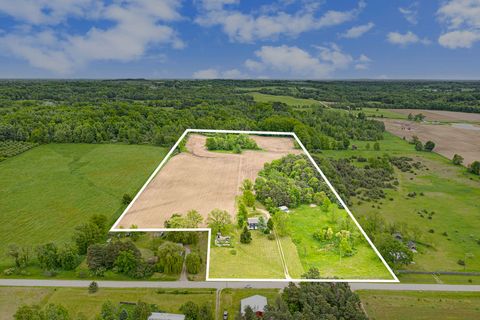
166, 316
252, 223
256, 302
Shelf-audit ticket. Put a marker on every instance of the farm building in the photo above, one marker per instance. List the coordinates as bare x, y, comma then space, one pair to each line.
257, 303
252, 223
166, 316
284, 209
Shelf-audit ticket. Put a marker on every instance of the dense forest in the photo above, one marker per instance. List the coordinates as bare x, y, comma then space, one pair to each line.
157, 112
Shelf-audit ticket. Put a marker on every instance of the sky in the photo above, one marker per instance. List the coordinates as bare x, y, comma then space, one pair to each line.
234, 39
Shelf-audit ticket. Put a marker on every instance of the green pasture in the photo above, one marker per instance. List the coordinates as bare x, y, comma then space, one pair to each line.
304, 221
79, 302
49, 190
394, 305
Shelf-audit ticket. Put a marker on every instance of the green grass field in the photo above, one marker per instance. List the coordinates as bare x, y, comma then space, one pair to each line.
393, 305
304, 221
448, 190
260, 259
381, 113
79, 301
49, 190
261, 97
230, 299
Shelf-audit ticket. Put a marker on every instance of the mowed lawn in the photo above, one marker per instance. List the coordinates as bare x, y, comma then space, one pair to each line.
230, 299
304, 221
394, 305
447, 190
49, 190
78, 301
259, 259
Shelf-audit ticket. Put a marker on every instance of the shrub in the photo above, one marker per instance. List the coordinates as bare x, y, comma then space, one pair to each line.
92, 287
126, 199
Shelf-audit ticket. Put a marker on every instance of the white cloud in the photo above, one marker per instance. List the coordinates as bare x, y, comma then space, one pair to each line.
249, 27
291, 61
357, 31
136, 25
462, 19
363, 62
405, 39
410, 13
213, 73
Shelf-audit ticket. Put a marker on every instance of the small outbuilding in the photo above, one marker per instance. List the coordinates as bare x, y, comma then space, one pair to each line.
166, 316
284, 209
252, 223
257, 303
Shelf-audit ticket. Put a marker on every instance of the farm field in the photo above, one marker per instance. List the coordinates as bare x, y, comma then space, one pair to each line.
202, 180
439, 115
448, 191
364, 264
79, 302
462, 140
420, 305
49, 190
230, 299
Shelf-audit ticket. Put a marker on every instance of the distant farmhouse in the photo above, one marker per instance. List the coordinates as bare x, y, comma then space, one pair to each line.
252, 223
257, 303
166, 316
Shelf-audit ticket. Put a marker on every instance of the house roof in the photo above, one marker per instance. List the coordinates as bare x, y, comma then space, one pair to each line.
166, 316
256, 302
253, 220
283, 208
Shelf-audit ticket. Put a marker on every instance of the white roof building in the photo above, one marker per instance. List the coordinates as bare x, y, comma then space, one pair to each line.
166, 316
256, 302
284, 209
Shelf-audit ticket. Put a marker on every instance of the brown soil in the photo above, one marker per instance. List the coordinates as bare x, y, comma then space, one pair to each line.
202, 180
438, 115
448, 139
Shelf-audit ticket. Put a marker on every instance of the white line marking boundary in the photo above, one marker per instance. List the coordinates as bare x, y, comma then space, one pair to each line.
268, 133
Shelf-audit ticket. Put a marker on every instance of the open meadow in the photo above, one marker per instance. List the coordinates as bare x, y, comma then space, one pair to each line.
78, 301
421, 305
449, 191
49, 190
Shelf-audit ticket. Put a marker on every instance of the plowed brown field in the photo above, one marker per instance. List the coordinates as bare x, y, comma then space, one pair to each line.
202, 180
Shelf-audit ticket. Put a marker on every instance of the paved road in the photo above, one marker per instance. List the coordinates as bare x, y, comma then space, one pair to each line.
223, 284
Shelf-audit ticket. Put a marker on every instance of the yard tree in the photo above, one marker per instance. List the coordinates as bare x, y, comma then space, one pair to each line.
20, 255
87, 234
270, 224
395, 252
245, 236
262, 224
242, 214
249, 198
457, 159
193, 219
109, 311
418, 146
249, 314
68, 257
47, 256
205, 312
474, 167
326, 204
26, 312
190, 310
126, 262
429, 145
56, 312
193, 262
218, 220
123, 315
141, 311
170, 257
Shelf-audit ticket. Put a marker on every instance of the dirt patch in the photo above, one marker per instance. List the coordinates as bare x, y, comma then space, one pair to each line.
202, 180
449, 140
439, 115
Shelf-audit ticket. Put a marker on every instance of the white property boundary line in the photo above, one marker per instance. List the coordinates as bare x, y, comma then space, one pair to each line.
269, 133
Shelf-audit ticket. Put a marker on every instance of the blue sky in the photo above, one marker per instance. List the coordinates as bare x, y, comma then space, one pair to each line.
286, 39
